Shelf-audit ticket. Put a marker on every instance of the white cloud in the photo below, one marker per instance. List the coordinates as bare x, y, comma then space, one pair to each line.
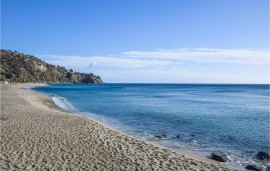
176, 65
164, 58
108, 61
206, 55
92, 64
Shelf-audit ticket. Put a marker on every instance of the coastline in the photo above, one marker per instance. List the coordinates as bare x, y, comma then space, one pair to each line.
45, 136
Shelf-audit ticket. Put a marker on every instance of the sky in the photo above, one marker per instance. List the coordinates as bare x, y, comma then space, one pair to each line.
145, 41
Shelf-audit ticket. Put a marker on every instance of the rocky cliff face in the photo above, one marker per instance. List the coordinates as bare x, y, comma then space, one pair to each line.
20, 68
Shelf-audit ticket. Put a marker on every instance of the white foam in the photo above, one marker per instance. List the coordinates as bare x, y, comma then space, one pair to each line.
34, 86
63, 103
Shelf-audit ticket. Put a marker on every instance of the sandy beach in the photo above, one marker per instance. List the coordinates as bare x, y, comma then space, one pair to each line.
37, 135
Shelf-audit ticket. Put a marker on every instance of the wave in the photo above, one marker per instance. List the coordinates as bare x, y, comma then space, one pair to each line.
63, 103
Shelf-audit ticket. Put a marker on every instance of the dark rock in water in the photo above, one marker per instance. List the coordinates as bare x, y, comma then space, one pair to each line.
177, 136
218, 156
161, 136
268, 168
262, 155
254, 167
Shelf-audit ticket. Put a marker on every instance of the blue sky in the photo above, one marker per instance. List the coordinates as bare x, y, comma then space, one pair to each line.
164, 41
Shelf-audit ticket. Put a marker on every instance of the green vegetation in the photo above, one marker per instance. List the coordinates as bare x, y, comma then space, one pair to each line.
20, 68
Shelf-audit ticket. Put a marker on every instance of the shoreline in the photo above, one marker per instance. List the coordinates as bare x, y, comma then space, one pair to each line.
137, 153
185, 152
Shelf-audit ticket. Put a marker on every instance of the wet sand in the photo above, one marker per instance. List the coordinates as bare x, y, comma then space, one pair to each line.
37, 135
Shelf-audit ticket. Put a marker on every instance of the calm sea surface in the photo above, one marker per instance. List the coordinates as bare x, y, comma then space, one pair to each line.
200, 118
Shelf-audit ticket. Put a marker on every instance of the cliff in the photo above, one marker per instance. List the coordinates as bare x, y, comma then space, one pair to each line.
20, 68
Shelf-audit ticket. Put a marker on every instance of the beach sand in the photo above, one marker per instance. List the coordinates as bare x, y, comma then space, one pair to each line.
37, 135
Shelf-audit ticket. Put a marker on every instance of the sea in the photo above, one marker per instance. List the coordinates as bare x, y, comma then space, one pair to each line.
199, 118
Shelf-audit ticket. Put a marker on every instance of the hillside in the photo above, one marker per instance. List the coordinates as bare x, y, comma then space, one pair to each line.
21, 68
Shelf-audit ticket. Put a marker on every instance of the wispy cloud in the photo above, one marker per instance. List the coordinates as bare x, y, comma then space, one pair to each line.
164, 58
109, 61
207, 55
175, 65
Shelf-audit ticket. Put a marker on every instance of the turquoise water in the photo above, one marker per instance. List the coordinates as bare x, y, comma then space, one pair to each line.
203, 118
